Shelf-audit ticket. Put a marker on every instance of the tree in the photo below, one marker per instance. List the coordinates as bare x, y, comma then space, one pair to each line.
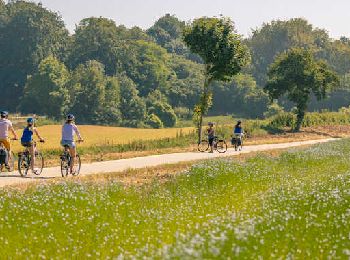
46, 91
132, 107
96, 39
29, 34
297, 74
147, 65
221, 49
94, 96
273, 38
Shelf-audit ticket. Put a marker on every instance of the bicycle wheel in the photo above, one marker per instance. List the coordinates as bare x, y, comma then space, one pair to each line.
39, 163
64, 165
23, 165
221, 146
203, 146
77, 166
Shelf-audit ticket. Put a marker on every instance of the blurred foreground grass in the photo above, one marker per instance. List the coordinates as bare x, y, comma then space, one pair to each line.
293, 206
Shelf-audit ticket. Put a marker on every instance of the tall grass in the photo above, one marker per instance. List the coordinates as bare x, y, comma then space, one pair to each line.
294, 206
311, 119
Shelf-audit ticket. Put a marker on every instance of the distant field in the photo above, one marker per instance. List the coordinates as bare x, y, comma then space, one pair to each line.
102, 135
295, 206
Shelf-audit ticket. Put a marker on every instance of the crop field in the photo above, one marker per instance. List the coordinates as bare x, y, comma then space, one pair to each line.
105, 136
292, 206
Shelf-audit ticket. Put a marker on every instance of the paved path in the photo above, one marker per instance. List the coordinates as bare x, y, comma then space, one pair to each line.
148, 161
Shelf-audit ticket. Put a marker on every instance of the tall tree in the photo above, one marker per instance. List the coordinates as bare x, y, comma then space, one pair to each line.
96, 39
30, 34
46, 91
273, 38
217, 43
297, 75
94, 96
133, 108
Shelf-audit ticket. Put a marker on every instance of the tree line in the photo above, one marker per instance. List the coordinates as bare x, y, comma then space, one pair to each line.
113, 75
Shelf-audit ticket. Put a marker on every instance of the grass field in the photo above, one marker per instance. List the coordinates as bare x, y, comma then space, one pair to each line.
292, 206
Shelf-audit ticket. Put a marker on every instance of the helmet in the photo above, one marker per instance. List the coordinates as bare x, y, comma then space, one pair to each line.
239, 122
211, 123
4, 114
70, 117
30, 120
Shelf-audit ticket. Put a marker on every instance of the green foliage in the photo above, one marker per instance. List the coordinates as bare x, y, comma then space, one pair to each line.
150, 70
311, 119
296, 74
274, 109
47, 89
95, 97
96, 39
217, 43
132, 107
154, 121
28, 34
165, 112
276, 37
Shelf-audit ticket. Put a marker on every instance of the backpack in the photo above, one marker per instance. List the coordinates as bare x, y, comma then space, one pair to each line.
3, 155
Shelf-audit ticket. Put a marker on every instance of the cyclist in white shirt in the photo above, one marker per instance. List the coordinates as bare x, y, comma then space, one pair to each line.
69, 130
5, 127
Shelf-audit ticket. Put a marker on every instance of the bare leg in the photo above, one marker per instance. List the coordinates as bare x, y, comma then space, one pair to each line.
73, 154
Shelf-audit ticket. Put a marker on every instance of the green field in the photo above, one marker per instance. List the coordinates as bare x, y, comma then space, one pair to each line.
292, 206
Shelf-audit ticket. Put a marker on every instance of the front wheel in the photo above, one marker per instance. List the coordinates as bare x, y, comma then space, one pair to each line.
221, 146
77, 166
65, 165
38, 164
203, 146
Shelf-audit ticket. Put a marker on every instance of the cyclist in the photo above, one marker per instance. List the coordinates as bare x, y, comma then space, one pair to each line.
5, 126
27, 140
238, 132
211, 136
69, 129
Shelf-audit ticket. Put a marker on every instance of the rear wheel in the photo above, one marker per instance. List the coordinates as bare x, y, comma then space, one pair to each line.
203, 146
23, 165
77, 166
221, 146
39, 163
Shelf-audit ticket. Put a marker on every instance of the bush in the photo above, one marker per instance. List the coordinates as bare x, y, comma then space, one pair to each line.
154, 121
311, 119
165, 112
273, 110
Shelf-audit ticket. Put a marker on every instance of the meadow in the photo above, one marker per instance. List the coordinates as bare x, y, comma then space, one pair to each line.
294, 206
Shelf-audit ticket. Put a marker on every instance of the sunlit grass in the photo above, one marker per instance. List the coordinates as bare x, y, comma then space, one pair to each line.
293, 206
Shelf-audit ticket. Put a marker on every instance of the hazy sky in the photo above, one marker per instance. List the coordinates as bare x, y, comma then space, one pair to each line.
334, 16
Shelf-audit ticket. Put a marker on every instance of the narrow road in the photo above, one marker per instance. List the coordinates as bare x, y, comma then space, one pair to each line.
144, 162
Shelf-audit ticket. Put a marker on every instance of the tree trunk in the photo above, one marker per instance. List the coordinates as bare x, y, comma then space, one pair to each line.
204, 103
300, 119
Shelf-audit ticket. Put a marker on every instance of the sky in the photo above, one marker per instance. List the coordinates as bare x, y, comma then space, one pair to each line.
334, 16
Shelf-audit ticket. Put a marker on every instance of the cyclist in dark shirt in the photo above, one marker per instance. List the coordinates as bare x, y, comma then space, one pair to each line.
211, 136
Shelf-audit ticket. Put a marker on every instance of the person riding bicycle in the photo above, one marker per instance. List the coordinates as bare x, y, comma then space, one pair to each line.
238, 132
69, 129
27, 140
5, 126
211, 136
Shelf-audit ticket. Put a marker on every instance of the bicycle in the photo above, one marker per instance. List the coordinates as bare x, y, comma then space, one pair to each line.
25, 161
237, 141
218, 144
11, 159
66, 161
